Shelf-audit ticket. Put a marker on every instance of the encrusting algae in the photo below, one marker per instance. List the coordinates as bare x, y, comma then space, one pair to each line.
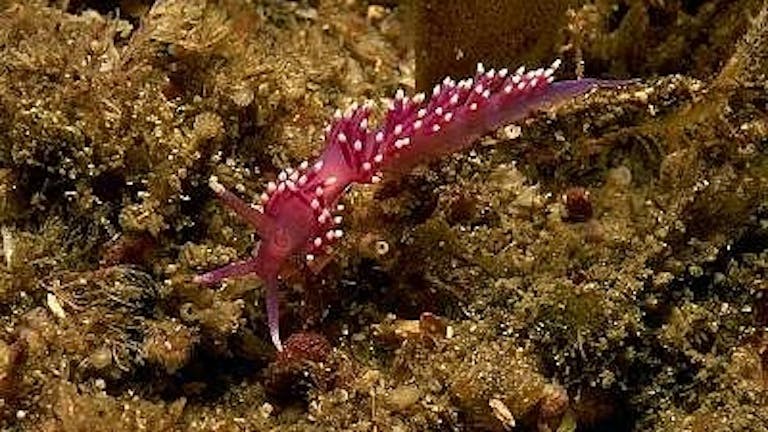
601, 266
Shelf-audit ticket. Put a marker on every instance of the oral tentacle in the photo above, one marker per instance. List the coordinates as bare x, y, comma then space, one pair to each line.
236, 269
273, 310
263, 224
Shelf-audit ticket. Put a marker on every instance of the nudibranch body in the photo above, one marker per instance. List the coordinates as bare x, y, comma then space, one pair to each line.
299, 211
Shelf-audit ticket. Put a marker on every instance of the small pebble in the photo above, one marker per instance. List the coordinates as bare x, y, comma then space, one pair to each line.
577, 204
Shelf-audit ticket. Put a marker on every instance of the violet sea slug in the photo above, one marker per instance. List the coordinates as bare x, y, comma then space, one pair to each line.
299, 212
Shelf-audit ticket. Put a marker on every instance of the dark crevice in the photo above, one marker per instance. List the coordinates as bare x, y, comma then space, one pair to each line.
617, 16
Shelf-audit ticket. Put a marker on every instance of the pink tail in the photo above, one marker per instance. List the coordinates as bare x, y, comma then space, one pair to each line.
418, 128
